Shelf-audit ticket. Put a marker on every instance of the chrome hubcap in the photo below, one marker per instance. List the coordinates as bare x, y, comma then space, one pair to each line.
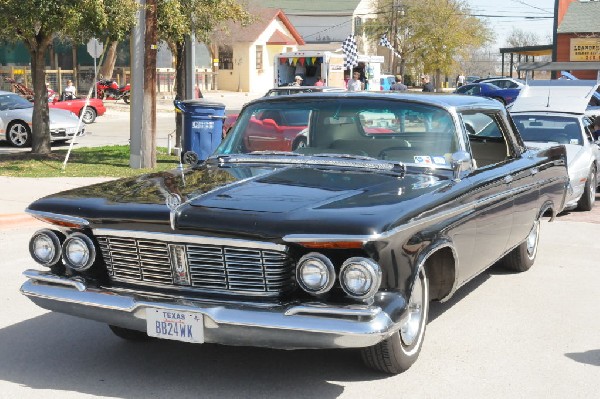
18, 134
410, 330
532, 239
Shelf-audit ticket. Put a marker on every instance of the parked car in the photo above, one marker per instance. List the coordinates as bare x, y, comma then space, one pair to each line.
95, 107
471, 79
503, 82
341, 243
553, 111
505, 96
282, 91
593, 108
16, 115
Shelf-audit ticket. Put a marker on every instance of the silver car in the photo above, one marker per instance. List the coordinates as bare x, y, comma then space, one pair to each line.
16, 114
550, 112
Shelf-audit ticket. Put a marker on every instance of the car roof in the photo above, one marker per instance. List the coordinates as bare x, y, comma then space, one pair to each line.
440, 100
566, 96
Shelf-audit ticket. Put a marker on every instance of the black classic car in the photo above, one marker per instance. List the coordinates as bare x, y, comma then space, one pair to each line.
339, 243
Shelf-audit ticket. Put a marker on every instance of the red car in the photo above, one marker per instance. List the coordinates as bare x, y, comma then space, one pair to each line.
94, 109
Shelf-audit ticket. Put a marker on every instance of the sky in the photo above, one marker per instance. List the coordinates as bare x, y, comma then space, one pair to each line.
526, 15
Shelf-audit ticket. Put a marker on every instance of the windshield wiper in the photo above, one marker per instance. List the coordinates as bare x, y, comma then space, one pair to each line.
277, 153
345, 156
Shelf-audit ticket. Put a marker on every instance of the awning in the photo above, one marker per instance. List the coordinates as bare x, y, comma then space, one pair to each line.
559, 66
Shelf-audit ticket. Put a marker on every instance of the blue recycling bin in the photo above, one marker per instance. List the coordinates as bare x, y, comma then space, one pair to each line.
202, 128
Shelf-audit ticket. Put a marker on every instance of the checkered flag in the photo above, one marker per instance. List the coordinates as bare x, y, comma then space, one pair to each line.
350, 52
386, 43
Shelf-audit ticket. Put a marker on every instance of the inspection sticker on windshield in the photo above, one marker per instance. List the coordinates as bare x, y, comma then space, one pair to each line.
178, 326
439, 160
423, 159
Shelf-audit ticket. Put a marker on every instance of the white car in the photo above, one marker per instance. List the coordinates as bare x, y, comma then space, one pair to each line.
16, 114
554, 111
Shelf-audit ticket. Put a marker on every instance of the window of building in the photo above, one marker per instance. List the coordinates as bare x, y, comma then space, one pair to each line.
226, 57
259, 57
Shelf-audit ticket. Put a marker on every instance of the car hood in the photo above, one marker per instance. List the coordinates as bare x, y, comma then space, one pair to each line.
62, 116
264, 202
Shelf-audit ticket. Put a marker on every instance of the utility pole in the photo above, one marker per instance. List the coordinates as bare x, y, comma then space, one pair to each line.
393, 57
136, 133
149, 112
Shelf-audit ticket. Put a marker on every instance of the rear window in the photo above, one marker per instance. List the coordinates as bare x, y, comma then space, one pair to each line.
549, 129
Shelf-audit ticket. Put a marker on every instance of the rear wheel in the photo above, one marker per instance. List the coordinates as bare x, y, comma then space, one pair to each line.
89, 115
19, 134
126, 97
129, 335
397, 353
588, 198
522, 257
299, 143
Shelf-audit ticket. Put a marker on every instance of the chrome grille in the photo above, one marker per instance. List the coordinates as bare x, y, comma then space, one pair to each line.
215, 268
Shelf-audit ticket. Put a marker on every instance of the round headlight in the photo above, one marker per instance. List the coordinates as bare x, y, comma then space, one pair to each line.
360, 277
44, 247
78, 252
315, 273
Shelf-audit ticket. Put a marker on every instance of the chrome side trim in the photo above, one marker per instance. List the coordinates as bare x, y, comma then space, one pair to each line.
319, 309
48, 277
481, 203
190, 239
57, 216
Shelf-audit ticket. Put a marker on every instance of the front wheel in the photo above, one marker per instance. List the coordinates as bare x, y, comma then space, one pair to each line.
522, 257
588, 198
397, 353
89, 115
19, 134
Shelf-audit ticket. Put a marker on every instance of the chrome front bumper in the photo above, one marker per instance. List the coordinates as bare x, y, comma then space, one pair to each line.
298, 326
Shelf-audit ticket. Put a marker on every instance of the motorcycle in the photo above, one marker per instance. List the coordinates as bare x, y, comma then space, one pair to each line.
109, 89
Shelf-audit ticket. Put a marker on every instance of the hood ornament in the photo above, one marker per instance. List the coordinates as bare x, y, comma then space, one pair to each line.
173, 201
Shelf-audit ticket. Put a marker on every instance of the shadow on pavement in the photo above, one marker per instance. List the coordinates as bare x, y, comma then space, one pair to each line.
60, 352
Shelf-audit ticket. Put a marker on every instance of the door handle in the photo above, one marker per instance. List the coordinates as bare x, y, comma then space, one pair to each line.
534, 171
508, 179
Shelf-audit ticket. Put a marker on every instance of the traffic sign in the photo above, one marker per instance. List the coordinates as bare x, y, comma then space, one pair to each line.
95, 48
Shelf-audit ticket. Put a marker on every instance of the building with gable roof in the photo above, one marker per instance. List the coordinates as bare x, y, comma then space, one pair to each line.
246, 59
578, 33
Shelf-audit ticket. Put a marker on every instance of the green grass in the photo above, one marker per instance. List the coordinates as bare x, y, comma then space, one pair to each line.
108, 161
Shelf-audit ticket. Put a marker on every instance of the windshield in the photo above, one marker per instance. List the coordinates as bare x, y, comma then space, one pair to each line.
13, 101
549, 129
383, 129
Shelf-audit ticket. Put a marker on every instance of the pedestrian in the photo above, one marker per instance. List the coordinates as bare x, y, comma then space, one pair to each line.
297, 80
69, 93
426, 84
460, 80
355, 83
398, 85
319, 82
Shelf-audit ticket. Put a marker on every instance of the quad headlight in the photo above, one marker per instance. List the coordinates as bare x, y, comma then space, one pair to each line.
315, 273
78, 252
45, 248
360, 277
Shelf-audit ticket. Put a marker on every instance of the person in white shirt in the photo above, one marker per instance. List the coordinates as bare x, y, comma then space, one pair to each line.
69, 93
355, 84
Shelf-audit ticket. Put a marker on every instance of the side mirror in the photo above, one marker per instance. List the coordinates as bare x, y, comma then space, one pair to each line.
461, 161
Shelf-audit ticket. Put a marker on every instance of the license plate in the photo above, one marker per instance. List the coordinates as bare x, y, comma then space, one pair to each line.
71, 130
178, 326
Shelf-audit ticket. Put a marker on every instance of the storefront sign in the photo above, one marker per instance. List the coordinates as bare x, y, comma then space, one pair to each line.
585, 49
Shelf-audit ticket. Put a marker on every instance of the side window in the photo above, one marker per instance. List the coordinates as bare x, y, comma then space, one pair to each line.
487, 141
